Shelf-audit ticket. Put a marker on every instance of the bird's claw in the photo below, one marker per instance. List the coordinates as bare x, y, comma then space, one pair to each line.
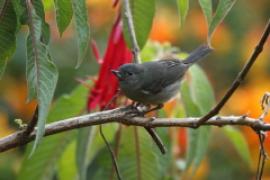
151, 119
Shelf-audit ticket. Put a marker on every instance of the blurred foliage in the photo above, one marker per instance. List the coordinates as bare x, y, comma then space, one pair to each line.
233, 41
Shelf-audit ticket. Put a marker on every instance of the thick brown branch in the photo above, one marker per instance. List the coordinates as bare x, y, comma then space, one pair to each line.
242, 74
125, 115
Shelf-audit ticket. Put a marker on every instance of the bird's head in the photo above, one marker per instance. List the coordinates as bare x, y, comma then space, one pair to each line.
129, 74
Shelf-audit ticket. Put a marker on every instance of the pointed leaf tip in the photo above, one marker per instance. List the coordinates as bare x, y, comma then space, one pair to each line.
82, 29
41, 72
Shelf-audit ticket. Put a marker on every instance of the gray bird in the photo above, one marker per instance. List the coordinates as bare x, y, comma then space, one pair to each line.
154, 83
158, 81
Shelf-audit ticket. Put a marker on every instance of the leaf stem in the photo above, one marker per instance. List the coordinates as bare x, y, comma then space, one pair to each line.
131, 29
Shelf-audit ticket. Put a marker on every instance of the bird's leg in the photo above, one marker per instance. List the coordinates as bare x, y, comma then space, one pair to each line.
159, 106
141, 108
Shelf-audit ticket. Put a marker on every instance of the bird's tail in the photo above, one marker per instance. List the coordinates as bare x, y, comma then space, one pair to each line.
198, 54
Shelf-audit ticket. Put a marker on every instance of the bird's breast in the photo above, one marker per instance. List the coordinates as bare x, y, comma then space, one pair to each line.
147, 97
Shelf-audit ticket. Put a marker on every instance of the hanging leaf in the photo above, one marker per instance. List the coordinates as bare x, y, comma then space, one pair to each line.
201, 91
146, 163
206, 6
39, 8
82, 28
8, 27
193, 135
101, 166
183, 6
142, 16
67, 163
63, 10
83, 144
41, 72
137, 163
239, 142
224, 6
100, 163
198, 98
42, 164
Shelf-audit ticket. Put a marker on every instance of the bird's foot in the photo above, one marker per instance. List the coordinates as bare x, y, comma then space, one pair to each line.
151, 119
159, 106
139, 108
143, 109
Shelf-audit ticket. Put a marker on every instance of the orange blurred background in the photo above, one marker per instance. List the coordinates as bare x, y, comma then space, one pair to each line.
234, 41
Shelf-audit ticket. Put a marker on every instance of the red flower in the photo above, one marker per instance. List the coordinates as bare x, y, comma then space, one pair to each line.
117, 53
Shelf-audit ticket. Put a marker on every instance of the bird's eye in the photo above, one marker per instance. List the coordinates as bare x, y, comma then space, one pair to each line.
129, 73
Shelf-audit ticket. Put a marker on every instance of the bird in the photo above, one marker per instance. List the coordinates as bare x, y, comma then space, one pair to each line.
156, 82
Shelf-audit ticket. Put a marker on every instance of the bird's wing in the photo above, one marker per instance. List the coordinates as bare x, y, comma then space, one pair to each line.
161, 74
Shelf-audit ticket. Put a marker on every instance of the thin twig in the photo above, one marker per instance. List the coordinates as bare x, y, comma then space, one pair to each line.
111, 152
116, 147
156, 139
138, 153
131, 29
240, 77
262, 156
129, 116
265, 105
31, 125
115, 165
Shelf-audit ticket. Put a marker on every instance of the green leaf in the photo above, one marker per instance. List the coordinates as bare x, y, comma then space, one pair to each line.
63, 9
201, 91
82, 28
198, 98
39, 8
239, 142
142, 15
149, 165
82, 148
224, 6
3, 65
66, 166
193, 135
96, 142
21, 12
206, 6
41, 72
100, 163
183, 6
42, 164
8, 27
137, 164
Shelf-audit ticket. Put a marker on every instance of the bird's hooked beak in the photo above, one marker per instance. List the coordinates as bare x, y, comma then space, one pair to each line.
117, 74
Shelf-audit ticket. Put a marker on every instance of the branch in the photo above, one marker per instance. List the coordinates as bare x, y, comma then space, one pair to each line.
31, 125
240, 77
128, 116
131, 29
29, 128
